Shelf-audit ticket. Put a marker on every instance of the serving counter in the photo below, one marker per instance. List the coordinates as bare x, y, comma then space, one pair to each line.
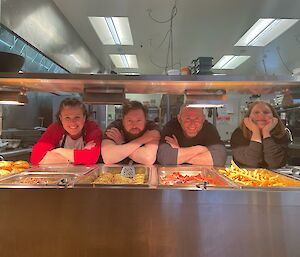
149, 221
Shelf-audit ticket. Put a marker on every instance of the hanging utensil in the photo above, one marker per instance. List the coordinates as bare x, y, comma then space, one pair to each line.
128, 171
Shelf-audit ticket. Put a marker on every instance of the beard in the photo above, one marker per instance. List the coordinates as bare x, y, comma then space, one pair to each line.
130, 136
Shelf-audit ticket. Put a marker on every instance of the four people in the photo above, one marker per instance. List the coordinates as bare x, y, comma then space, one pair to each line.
72, 139
191, 139
260, 141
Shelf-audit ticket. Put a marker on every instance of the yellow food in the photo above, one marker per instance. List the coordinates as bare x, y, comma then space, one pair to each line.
110, 178
16, 169
4, 172
21, 164
8, 167
257, 177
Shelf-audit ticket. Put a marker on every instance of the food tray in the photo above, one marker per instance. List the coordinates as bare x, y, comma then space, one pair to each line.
63, 168
191, 176
38, 179
110, 175
259, 178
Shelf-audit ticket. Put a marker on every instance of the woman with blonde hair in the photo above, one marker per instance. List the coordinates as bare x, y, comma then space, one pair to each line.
261, 141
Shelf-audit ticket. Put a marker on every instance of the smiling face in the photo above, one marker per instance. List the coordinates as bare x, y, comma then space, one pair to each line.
134, 123
191, 121
261, 114
72, 119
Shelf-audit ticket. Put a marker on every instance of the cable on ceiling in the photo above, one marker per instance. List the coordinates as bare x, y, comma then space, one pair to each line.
169, 33
284, 64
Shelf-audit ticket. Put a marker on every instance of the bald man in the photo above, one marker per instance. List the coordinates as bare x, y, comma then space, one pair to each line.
191, 139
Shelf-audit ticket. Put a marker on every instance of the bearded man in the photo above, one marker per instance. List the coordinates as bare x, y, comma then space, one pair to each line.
132, 137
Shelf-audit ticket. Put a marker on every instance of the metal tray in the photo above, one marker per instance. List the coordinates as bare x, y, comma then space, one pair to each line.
38, 179
278, 180
207, 177
293, 171
110, 175
63, 168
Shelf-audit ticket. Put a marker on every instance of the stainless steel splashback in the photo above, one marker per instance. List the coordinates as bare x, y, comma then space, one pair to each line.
41, 24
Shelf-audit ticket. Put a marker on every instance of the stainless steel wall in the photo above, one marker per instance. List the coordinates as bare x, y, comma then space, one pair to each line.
40, 23
27, 117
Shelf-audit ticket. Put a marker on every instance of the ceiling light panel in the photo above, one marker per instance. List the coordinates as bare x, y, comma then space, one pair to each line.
225, 59
229, 62
124, 60
112, 30
264, 31
123, 29
206, 105
132, 60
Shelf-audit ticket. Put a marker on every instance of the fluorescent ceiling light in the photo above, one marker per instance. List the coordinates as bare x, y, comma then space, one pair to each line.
124, 60
264, 31
112, 30
205, 105
130, 73
229, 62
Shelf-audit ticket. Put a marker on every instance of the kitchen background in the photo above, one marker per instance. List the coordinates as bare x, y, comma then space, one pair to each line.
58, 45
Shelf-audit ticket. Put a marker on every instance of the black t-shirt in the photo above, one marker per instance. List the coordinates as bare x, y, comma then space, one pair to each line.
208, 136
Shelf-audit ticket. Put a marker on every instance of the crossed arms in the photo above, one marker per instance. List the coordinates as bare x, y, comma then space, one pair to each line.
170, 153
141, 150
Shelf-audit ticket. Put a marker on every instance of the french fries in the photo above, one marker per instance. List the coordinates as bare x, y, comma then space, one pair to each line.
257, 177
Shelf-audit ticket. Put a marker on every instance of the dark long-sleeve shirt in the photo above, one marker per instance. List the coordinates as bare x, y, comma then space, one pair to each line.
271, 153
208, 136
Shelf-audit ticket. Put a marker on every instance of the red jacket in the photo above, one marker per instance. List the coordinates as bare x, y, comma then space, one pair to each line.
55, 132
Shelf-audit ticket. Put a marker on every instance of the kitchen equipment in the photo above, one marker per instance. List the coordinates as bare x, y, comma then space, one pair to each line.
110, 175
129, 170
260, 178
11, 143
191, 176
63, 168
3, 145
38, 179
10, 62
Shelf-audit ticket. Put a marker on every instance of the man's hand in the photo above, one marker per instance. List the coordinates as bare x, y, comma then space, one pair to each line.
115, 135
172, 141
150, 135
89, 145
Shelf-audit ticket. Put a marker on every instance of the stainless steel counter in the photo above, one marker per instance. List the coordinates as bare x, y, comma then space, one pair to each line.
17, 154
148, 83
148, 222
